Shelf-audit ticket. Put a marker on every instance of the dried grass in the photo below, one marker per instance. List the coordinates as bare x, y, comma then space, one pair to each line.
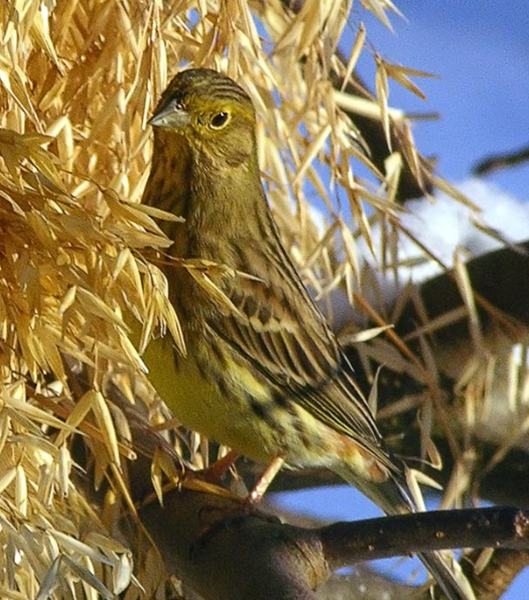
78, 80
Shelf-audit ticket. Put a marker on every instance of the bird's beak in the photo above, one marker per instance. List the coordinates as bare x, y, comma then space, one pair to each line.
171, 115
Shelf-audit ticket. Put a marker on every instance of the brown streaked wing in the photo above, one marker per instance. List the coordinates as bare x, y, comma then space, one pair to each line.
284, 336
292, 347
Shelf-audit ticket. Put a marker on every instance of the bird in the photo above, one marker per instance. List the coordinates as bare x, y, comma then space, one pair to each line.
263, 373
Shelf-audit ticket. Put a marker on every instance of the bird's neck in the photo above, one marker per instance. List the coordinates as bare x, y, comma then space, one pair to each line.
212, 200
168, 184
221, 203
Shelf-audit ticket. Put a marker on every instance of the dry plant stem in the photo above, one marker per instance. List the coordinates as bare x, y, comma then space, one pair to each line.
500, 284
254, 555
413, 182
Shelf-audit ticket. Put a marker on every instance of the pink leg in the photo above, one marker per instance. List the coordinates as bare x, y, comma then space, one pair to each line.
262, 484
219, 468
247, 506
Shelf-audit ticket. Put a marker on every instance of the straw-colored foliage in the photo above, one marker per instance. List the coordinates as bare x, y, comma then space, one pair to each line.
78, 80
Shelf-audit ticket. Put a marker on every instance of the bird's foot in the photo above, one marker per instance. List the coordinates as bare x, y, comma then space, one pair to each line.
233, 517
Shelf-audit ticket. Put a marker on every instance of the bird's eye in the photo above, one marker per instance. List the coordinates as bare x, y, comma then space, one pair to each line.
219, 120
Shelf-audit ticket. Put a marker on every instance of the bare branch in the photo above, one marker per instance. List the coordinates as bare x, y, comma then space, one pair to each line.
496, 162
242, 552
346, 543
495, 579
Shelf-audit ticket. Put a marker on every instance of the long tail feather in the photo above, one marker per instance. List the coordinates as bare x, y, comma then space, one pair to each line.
391, 497
450, 578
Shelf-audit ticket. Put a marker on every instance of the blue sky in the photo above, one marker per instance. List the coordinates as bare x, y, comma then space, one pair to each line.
480, 51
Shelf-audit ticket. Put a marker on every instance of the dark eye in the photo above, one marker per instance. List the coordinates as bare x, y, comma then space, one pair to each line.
219, 120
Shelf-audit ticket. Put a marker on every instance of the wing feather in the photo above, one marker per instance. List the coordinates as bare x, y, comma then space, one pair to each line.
281, 332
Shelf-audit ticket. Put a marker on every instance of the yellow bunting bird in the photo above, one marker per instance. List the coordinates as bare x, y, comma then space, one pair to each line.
263, 373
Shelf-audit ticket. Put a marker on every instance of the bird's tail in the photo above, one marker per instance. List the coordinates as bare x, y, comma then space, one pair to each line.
449, 576
392, 498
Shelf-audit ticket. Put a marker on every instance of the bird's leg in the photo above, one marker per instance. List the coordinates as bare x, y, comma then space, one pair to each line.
220, 467
248, 505
263, 483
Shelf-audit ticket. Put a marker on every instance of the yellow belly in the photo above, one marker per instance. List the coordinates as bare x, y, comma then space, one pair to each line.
221, 413
236, 408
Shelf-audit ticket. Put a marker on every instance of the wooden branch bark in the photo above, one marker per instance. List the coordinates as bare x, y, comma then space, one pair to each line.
248, 555
245, 553
506, 160
496, 578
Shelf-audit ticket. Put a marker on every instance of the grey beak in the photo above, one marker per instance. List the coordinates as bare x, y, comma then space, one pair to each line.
171, 115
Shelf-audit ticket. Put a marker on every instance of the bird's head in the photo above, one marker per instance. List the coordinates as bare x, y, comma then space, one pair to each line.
210, 115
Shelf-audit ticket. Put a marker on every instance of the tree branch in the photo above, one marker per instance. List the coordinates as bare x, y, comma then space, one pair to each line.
495, 579
506, 160
345, 543
247, 553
